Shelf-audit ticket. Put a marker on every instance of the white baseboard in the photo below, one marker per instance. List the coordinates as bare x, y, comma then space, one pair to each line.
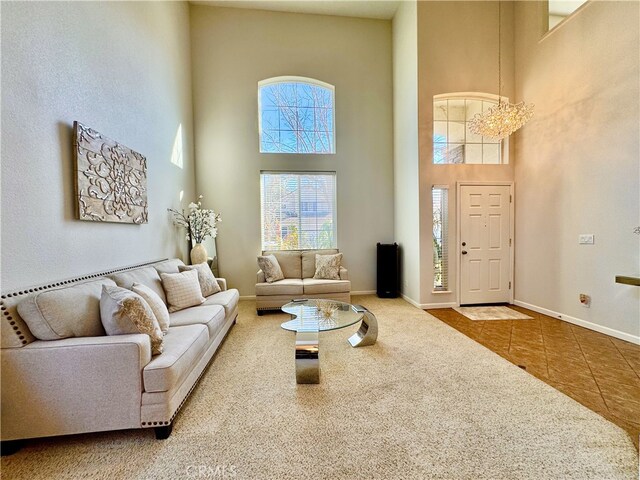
247, 297
582, 323
429, 306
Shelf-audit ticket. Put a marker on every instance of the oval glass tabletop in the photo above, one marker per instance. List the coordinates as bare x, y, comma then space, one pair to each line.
308, 315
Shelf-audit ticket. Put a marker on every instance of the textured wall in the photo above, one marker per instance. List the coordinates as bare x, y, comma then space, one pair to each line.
233, 49
121, 68
405, 145
577, 168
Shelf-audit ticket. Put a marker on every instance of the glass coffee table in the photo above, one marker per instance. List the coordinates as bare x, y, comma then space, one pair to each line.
311, 316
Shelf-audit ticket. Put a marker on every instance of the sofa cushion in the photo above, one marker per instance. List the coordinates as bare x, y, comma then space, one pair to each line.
207, 280
72, 311
147, 276
288, 286
309, 261
158, 307
168, 266
270, 267
290, 263
183, 348
123, 311
328, 267
182, 289
228, 299
314, 286
210, 315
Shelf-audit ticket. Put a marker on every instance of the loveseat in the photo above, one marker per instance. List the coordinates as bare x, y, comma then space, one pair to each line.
86, 381
298, 268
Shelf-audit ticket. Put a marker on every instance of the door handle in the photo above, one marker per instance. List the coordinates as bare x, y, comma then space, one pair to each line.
464, 252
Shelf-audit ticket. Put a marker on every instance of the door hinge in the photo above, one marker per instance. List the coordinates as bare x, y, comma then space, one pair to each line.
510, 199
509, 242
509, 285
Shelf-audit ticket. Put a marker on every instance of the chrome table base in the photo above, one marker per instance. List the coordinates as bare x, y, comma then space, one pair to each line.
307, 363
367, 334
308, 349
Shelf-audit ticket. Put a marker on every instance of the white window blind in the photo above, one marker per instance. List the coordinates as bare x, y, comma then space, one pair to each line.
298, 210
440, 195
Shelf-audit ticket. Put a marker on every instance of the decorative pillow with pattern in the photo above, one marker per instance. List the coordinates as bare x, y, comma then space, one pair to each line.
182, 289
123, 311
158, 307
208, 283
271, 268
328, 266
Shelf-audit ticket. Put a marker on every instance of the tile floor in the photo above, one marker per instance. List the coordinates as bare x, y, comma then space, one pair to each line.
599, 371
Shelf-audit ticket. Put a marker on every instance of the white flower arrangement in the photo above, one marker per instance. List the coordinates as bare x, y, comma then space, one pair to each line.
199, 222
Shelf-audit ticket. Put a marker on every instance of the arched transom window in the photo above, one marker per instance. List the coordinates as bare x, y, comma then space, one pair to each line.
453, 141
296, 115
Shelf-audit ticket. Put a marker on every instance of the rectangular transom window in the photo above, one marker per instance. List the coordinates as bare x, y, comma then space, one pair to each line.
298, 210
440, 196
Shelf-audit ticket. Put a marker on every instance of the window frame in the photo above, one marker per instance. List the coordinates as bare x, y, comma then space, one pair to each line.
301, 173
297, 79
504, 150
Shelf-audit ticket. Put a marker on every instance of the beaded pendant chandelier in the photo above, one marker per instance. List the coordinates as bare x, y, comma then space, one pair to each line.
505, 118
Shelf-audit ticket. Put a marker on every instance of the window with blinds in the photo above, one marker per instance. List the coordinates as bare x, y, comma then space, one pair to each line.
440, 195
298, 210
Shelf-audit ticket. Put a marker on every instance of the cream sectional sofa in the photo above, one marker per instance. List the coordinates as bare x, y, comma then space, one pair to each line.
298, 268
62, 375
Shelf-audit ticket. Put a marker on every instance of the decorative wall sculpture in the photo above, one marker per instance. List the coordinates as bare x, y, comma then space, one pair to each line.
111, 179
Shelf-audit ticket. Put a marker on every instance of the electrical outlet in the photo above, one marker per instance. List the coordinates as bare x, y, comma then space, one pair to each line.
585, 300
586, 239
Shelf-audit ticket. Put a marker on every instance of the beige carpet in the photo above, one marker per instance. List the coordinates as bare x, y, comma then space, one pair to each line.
424, 402
491, 313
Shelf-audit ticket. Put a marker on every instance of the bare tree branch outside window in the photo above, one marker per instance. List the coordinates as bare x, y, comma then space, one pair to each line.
296, 117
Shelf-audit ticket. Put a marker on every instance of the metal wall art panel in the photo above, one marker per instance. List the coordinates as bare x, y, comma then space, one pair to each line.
111, 179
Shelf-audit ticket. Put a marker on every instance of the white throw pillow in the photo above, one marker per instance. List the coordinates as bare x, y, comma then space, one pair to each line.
158, 307
271, 268
328, 266
123, 311
182, 289
208, 283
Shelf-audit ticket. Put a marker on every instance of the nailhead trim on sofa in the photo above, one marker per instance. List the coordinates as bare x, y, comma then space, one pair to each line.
8, 312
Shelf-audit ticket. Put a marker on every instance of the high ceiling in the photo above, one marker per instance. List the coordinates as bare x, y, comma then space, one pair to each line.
382, 9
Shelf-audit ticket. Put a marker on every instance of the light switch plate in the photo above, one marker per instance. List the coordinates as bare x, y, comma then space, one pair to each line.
586, 239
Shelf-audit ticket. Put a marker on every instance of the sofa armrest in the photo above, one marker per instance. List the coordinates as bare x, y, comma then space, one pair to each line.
344, 274
222, 282
74, 385
260, 277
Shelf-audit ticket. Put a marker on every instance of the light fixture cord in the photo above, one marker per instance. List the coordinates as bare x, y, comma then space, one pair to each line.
499, 53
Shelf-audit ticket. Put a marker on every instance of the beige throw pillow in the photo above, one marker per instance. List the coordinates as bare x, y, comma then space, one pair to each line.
158, 307
328, 267
271, 268
208, 283
182, 289
123, 311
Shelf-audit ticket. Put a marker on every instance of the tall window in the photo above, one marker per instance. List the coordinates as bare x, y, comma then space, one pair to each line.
296, 115
440, 196
453, 142
298, 210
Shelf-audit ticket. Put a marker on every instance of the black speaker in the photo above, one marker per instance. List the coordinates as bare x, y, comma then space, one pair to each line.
388, 283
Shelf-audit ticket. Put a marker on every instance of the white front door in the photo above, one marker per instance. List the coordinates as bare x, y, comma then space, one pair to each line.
485, 224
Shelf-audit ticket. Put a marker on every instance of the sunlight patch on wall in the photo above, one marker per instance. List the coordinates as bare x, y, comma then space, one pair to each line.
176, 154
